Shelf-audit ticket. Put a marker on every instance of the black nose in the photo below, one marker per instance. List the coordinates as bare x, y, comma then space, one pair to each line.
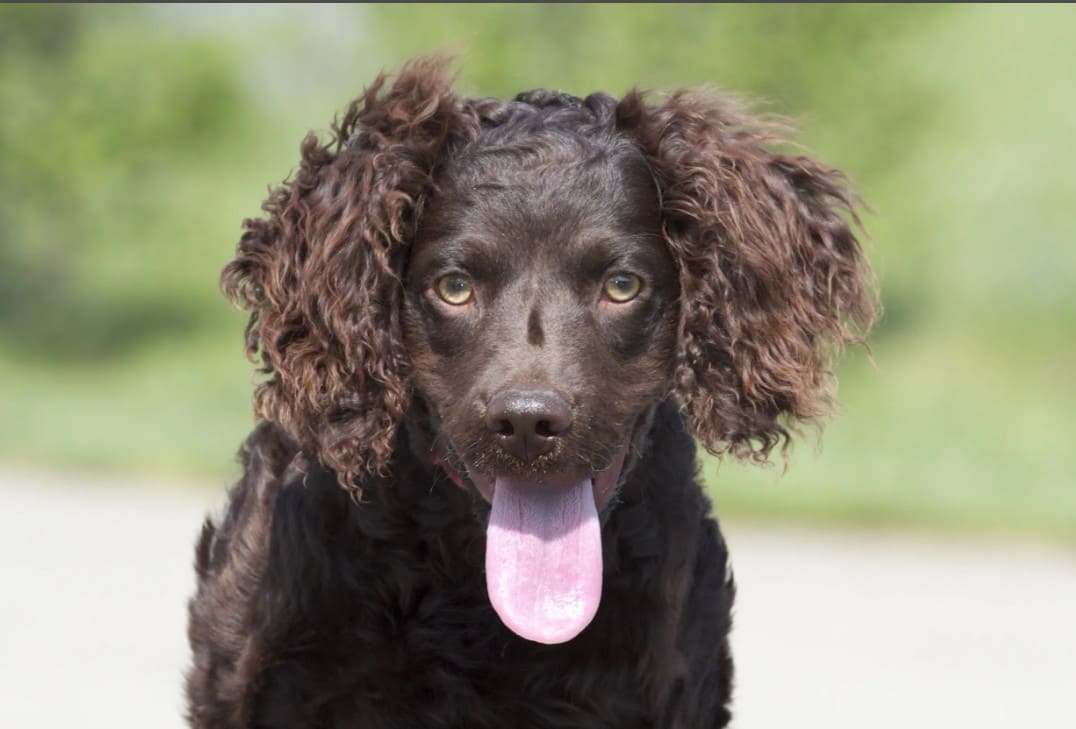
527, 422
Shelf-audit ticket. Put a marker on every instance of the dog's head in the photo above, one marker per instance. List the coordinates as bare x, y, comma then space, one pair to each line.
529, 279
540, 308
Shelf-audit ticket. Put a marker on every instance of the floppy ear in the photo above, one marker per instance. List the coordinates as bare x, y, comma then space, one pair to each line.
773, 281
321, 274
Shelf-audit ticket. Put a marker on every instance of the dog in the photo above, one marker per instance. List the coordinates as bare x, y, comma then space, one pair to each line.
490, 335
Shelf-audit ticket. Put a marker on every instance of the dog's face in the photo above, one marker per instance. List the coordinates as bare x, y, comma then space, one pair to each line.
522, 281
540, 312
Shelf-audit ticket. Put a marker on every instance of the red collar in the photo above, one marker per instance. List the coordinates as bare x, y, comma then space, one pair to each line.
436, 459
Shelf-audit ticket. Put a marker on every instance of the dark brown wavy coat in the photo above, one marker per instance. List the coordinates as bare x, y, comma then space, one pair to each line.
344, 585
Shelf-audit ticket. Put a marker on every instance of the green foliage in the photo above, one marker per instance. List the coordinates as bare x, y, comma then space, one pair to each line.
133, 140
102, 122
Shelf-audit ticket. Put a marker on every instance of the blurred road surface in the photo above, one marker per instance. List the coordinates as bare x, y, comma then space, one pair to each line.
835, 631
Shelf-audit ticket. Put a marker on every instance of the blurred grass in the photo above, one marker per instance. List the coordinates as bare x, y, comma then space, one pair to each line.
135, 139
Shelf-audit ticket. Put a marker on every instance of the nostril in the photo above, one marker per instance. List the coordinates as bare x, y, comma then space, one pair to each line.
542, 428
504, 428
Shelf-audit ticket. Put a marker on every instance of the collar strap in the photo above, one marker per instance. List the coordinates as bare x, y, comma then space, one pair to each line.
436, 460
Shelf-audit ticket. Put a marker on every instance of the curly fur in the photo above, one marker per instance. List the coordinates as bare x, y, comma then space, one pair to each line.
771, 272
321, 279
316, 609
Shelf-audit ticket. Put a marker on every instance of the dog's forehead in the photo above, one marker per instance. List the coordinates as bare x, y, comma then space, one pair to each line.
557, 193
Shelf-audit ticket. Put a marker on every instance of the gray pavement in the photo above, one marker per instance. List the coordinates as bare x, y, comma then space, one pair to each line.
833, 630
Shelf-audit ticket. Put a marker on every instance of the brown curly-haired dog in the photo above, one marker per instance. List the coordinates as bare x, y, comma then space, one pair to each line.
489, 330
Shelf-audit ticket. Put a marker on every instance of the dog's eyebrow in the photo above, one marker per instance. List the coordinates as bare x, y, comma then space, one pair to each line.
478, 256
470, 245
606, 249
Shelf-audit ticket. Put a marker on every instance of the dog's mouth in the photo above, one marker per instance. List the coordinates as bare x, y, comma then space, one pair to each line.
543, 549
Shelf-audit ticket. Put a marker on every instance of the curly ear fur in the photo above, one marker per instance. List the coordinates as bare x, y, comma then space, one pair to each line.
773, 281
321, 274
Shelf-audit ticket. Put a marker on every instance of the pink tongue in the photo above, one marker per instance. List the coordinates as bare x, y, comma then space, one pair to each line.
544, 558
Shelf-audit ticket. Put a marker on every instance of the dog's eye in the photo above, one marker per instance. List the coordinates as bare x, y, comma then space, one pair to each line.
622, 287
455, 289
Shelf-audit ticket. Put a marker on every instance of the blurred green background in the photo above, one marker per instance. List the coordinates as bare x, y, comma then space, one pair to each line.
133, 140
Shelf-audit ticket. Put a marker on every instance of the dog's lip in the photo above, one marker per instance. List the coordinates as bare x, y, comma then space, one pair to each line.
603, 481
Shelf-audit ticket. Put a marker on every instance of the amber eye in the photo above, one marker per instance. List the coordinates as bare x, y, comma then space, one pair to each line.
455, 289
622, 287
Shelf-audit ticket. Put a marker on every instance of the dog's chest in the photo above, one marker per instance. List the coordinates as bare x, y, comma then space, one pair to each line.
421, 646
